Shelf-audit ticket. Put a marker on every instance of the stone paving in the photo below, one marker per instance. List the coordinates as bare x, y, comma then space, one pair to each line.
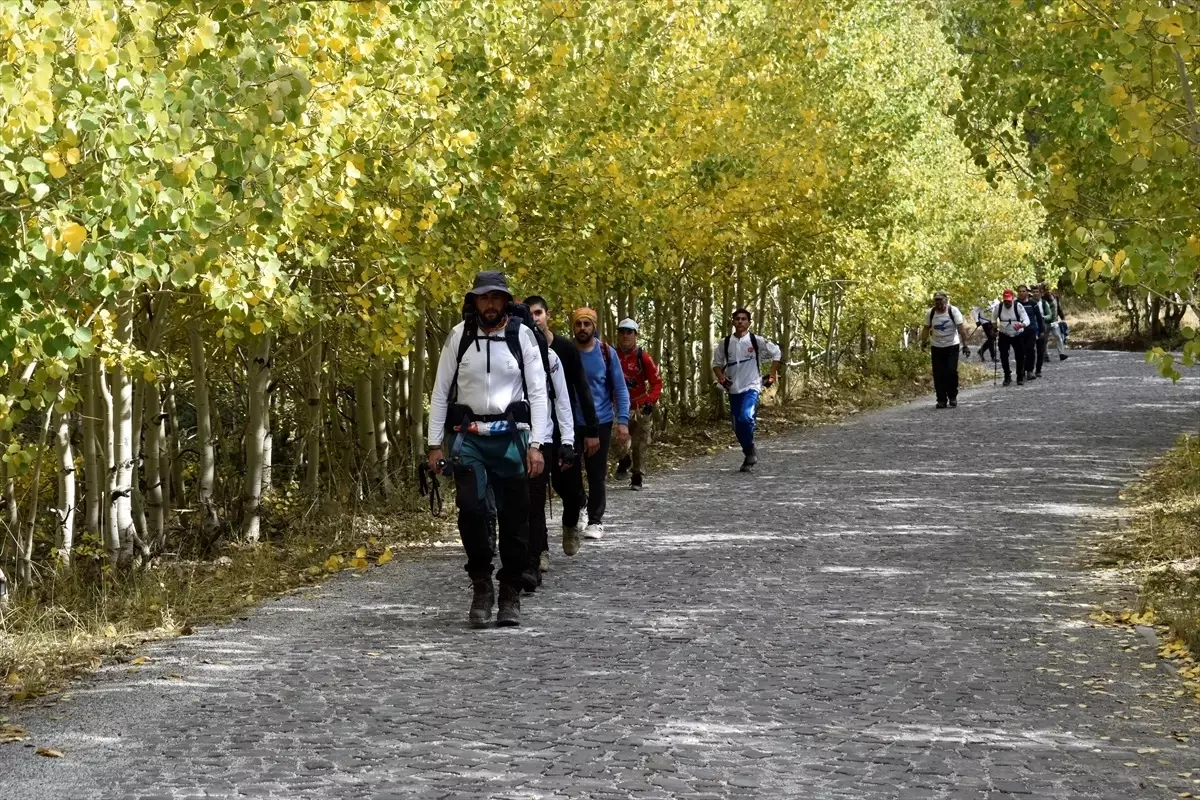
889, 608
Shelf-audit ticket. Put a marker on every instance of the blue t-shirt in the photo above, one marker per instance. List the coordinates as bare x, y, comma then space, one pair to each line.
605, 389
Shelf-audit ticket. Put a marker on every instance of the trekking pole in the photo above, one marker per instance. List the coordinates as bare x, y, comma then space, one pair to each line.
995, 367
428, 482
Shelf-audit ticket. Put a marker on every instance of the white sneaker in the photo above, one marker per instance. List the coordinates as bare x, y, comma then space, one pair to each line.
594, 531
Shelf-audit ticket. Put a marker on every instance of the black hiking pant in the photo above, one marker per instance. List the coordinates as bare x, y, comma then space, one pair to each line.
570, 483
539, 489
945, 372
1017, 345
989, 344
1041, 350
1029, 341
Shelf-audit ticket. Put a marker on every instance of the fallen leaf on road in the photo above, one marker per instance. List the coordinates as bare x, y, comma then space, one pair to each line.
49, 752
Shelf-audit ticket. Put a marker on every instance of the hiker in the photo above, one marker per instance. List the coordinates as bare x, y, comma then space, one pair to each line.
737, 363
1052, 310
1031, 334
490, 396
579, 395
645, 389
982, 314
1011, 323
607, 383
1045, 308
945, 326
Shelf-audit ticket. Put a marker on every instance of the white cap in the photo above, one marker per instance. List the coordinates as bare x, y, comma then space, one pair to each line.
627, 324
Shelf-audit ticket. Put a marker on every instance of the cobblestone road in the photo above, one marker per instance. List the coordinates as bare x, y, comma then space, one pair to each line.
889, 608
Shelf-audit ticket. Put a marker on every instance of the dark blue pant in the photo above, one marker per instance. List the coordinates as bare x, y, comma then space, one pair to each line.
743, 408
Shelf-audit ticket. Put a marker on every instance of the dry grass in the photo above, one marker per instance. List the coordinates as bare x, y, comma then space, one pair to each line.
80, 618
1161, 545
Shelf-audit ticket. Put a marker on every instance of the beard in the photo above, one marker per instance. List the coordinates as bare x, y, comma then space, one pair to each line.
489, 318
583, 337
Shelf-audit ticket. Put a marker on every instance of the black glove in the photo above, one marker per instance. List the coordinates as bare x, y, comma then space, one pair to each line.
966, 351
768, 381
648, 409
566, 456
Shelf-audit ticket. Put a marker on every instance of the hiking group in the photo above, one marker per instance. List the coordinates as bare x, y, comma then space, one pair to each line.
1024, 323
517, 410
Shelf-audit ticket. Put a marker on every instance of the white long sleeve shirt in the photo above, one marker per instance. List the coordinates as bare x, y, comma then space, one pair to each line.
562, 400
1011, 320
489, 381
741, 365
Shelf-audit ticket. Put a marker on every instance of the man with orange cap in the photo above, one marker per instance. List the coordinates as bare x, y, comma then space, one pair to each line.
602, 366
1011, 321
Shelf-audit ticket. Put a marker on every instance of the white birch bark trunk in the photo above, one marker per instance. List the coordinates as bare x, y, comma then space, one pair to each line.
258, 382
123, 446
155, 434
93, 473
172, 463
112, 533
416, 388
268, 445
25, 564
66, 488
204, 434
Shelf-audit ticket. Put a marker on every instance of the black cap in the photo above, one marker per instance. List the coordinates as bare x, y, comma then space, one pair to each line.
491, 281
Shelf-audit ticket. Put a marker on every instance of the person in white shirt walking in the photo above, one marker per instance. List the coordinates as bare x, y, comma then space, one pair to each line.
737, 363
944, 325
982, 315
1011, 322
490, 396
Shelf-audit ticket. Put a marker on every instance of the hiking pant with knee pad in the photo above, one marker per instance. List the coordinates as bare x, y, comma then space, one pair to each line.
487, 470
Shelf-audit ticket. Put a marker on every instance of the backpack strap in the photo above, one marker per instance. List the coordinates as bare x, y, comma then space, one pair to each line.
470, 335
606, 352
512, 337
641, 359
757, 352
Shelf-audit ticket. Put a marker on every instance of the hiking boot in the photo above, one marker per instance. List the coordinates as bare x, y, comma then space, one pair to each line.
571, 540
544, 561
635, 483
751, 458
1008, 380
1029, 375
594, 530
509, 615
623, 466
1020, 381
940, 404
954, 402
482, 602
1037, 374
1063, 356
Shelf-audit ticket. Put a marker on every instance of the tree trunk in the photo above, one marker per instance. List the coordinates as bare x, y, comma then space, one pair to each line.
785, 339
379, 415
25, 565
681, 384
123, 445
365, 425
66, 488
312, 442
416, 390
398, 419
258, 382
112, 533
206, 476
268, 450
156, 525
94, 480
172, 463
704, 369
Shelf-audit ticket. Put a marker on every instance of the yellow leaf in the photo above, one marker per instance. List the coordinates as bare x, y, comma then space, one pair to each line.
137, 662
73, 156
334, 563
257, 327
73, 236
360, 552
384, 557
49, 752
110, 631
57, 169
13, 679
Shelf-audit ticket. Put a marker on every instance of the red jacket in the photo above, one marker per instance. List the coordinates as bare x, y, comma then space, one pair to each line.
642, 378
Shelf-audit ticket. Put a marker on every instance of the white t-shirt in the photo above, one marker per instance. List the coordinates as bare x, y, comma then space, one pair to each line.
741, 366
562, 400
944, 326
1011, 320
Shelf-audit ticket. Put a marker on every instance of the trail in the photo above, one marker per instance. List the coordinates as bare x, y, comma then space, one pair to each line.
892, 607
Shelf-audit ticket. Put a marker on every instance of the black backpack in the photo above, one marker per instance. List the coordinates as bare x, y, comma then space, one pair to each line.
518, 317
949, 310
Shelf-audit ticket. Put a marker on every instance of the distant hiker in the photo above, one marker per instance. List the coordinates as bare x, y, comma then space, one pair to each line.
582, 407
1011, 322
737, 363
645, 389
944, 324
982, 315
490, 397
1045, 308
607, 382
1052, 310
1031, 335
